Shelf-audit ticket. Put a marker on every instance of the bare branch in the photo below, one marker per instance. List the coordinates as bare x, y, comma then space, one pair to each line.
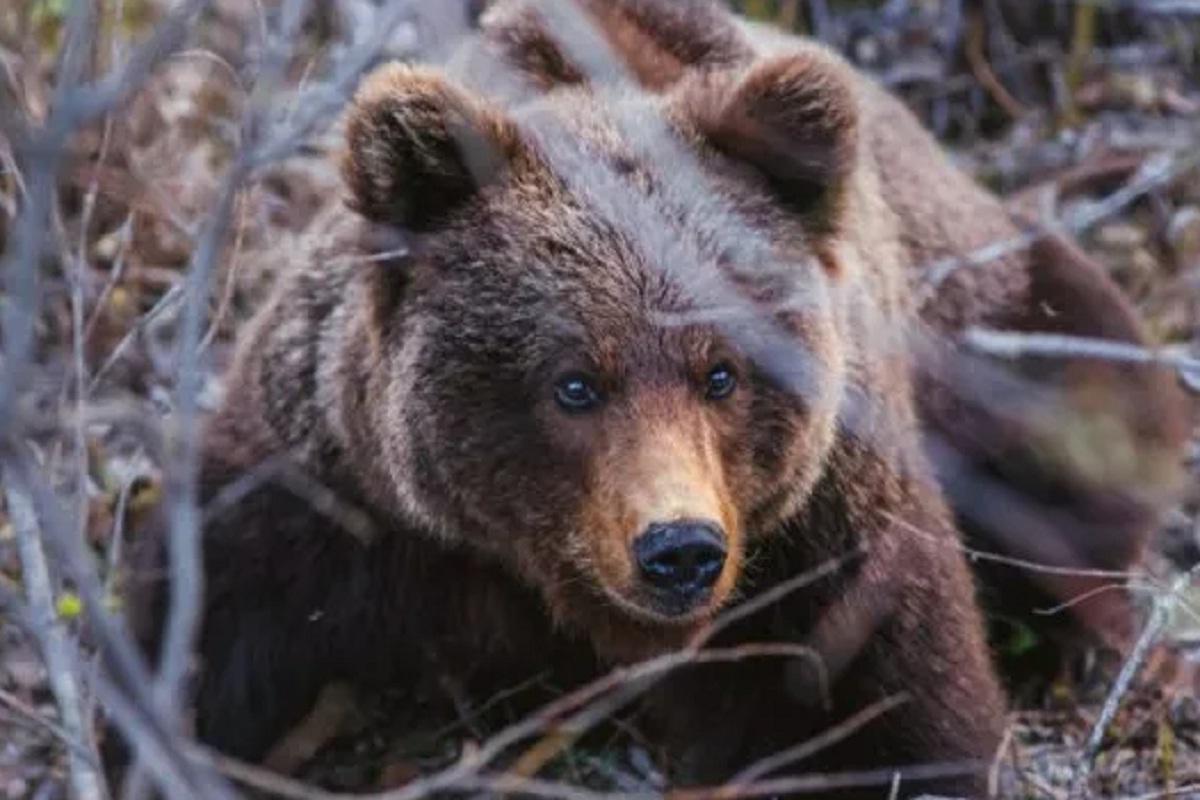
1014, 344
56, 646
261, 144
130, 678
85, 104
997, 558
1160, 614
1155, 172
798, 752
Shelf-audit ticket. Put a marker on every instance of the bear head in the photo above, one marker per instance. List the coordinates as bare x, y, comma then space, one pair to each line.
614, 352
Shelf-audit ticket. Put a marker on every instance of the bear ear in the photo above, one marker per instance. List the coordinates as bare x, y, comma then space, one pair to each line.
419, 147
794, 118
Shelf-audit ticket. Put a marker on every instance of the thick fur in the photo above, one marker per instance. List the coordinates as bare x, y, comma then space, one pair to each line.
422, 504
1063, 462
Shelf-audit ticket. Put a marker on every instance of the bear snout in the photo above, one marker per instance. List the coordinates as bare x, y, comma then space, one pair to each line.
679, 562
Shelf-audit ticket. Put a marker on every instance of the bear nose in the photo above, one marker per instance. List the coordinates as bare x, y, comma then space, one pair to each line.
683, 557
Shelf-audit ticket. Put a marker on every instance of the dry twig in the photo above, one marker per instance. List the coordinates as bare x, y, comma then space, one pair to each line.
56, 645
1160, 614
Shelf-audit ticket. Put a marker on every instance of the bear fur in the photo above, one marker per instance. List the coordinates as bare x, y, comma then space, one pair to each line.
1024, 482
390, 489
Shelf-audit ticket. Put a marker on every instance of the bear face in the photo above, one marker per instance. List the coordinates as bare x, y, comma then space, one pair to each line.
628, 307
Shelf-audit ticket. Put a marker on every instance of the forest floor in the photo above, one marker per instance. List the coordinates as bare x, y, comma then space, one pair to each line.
1096, 125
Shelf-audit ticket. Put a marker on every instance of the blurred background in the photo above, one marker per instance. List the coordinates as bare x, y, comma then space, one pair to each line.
211, 156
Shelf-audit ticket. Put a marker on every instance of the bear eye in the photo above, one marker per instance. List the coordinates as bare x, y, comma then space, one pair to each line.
576, 393
720, 382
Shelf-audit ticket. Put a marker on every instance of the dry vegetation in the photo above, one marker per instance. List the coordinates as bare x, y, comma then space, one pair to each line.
160, 162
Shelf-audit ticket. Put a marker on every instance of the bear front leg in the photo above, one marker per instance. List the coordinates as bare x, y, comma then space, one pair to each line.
922, 676
904, 683
260, 673
283, 587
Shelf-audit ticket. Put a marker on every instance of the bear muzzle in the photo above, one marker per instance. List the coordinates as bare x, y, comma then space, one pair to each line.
678, 563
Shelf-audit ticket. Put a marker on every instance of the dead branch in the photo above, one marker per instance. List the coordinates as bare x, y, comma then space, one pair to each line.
1155, 172
983, 71
817, 784
1014, 345
262, 144
124, 680
1164, 603
997, 558
843, 730
54, 641
1186, 790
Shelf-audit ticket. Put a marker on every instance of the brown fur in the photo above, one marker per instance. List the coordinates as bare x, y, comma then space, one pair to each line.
467, 523
1041, 504
655, 43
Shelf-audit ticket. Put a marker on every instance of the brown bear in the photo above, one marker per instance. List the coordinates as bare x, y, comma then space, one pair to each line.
588, 366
